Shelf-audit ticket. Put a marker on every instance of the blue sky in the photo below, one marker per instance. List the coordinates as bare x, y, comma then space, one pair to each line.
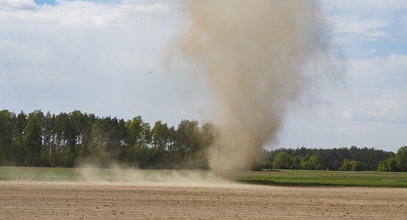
45, 2
96, 56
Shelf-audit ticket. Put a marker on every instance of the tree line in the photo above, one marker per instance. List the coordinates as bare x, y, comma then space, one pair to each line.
341, 159
396, 163
69, 139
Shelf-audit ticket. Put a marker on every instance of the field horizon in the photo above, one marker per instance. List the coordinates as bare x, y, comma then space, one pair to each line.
191, 177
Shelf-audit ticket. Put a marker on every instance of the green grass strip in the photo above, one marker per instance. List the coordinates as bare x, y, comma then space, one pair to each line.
324, 178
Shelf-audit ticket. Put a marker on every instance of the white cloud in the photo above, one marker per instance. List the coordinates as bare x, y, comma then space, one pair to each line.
59, 42
372, 51
365, 20
94, 57
378, 73
354, 112
378, 89
353, 24
361, 5
17, 4
80, 14
386, 108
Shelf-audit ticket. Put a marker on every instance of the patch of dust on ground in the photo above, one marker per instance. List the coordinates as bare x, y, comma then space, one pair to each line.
56, 200
117, 175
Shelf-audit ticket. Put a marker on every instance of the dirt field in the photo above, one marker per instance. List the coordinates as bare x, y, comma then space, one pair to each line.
52, 200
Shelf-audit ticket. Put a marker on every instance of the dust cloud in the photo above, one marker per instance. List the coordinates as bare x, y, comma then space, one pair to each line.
122, 175
256, 58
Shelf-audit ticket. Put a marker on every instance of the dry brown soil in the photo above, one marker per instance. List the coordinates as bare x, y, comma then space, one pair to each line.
55, 200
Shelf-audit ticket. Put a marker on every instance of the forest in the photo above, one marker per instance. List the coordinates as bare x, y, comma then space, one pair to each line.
71, 139
342, 159
67, 139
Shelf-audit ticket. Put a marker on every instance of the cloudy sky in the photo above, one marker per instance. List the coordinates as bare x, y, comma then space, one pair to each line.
109, 57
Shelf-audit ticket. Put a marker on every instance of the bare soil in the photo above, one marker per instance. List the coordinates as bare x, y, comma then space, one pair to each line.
56, 200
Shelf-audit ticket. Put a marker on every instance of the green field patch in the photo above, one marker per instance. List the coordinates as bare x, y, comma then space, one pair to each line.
39, 174
324, 178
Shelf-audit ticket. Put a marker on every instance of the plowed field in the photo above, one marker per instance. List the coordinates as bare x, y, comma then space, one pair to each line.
64, 200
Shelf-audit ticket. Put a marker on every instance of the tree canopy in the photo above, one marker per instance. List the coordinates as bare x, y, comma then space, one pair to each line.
39, 139
67, 139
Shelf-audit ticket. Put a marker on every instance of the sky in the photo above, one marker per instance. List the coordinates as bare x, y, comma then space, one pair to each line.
111, 58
